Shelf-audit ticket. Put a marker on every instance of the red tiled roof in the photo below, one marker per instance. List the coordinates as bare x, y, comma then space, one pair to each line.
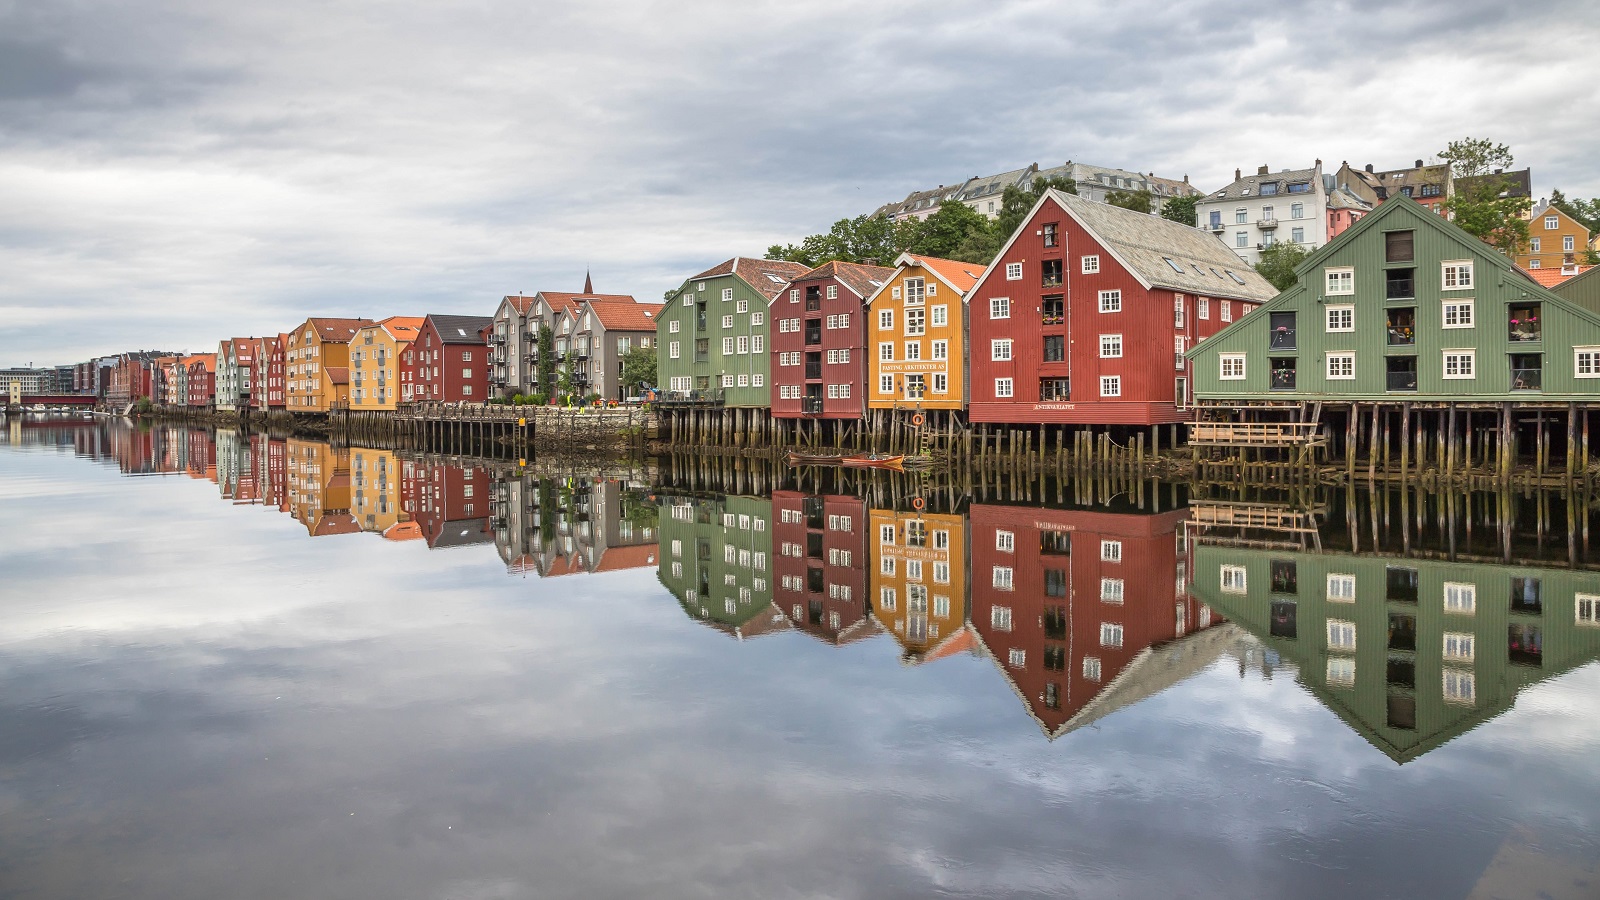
755, 273
626, 316
402, 328
403, 531
337, 331
340, 524
1553, 276
616, 559
337, 374
562, 302
960, 274
519, 303
208, 359
864, 280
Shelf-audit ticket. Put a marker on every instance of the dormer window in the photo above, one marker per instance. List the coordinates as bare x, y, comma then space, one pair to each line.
1269, 189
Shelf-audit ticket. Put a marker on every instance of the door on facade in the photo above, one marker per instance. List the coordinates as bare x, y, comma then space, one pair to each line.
914, 387
813, 399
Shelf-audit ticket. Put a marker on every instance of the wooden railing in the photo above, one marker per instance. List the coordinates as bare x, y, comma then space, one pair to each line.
1254, 434
1252, 515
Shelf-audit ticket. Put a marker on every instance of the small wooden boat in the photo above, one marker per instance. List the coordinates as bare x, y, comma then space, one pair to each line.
874, 461
813, 459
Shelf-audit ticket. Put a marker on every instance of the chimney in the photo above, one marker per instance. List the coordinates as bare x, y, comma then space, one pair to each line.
1319, 163
1263, 170
1499, 171
1186, 178
1369, 167
1237, 175
1419, 164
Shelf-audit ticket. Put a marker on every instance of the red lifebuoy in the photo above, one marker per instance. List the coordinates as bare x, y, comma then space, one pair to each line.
917, 419
917, 503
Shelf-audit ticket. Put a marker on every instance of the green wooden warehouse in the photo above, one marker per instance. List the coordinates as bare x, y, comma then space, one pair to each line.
715, 556
1408, 339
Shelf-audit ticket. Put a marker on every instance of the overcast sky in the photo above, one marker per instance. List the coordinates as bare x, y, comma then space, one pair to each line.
173, 173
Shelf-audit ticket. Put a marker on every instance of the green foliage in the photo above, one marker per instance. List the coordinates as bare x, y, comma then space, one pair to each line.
1587, 212
545, 366
143, 407
1181, 210
948, 229
638, 368
1478, 206
1016, 203
858, 240
1138, 201
1278, 263
1591, 257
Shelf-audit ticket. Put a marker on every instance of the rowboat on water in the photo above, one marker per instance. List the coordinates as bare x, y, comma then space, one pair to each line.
874, 461
813, 459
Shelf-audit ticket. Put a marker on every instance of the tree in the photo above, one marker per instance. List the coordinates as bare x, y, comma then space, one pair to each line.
949, 228
1482, 203
1138, 201
1181, 210
1587, 212
638, 368
849, 240
1278, 263
1016, 203
545, 366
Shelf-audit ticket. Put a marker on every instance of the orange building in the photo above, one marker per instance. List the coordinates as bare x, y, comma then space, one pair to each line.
916, 327
375, 361
317, 364
918, 589
1555, 240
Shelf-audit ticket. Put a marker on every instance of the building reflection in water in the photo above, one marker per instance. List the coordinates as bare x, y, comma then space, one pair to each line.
1414, 617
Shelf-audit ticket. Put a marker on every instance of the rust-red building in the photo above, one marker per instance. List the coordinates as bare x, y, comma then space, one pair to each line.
818, 340
1066, 600
266, 372
820, 560
202, 380
448, 503
1084, 316
449, 361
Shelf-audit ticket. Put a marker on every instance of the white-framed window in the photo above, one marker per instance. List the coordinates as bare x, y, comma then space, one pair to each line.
1110, 346
1458, 364
1456, 274
744, 381
941, 383
727, 346
1110, 634
1567, 243
1000, 349
914, 570
794, 295
1111, 551
1342, 318
1091, 668
886, 565
1001, 578
758, 343
938, 315
1227, 310
1232, 366
885, 384
673, 326
1179, 345
1586, 609
1014, 271
1459, 647
939, 350
1458, 314
742, 306
1460, 686
1000, 618
1342, 366
1016, 658
999, 307
727, 293
1234, 579
1111, 590
727, 321
1341, 671
1533, 245
672, 348
916, 321
758, 318
741, 344
1586, 362
758, 380
727, 380
1551, 223
1111, 385
886, 534
885, 320
1091, 265
1339, 281
1005, 541
1241, 239
1110, 301
886, 351
916, 291
1460, 597
833, 292
1341, 635
1002, 387
1202, 307
913, 350
1341, 588
886, 599
941, 573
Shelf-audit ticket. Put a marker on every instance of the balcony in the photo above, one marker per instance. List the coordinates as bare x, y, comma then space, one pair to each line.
811, 406
1522, 323
1216, 226
1283, 376
1282, 338
1267, 224
497, 338
1527, 372
1400, 381
1401, 327
813, 370
1399, 284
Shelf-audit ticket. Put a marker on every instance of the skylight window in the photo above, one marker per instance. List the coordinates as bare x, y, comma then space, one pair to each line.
461, 331
1215, 272
1233, 276
774, 279
1198, 270
1175, 267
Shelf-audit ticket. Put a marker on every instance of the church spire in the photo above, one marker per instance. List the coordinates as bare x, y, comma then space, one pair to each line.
588, 286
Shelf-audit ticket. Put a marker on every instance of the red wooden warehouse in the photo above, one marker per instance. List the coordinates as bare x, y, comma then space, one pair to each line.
1070, 602
820, 544
1084, 316
448, 362
819, 339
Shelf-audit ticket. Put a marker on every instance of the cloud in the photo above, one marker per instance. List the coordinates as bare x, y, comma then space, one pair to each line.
180, 171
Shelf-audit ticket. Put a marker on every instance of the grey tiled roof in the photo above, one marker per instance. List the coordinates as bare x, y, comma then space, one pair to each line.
460, 329
1250, 185
1145, 243
1518, 184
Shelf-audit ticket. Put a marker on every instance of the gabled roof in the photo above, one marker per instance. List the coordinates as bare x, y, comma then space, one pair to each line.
518, 302
994, 185
402, 328
1553, 276
1250, 185
1518, 184
767, 276
462, 533
625, 315
209, 360
343, 523
460, 329
563, 302
636, 556
862, 280
337, 374
957, 276
336, 331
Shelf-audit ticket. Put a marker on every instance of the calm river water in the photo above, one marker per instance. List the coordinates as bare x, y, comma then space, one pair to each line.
252, 668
